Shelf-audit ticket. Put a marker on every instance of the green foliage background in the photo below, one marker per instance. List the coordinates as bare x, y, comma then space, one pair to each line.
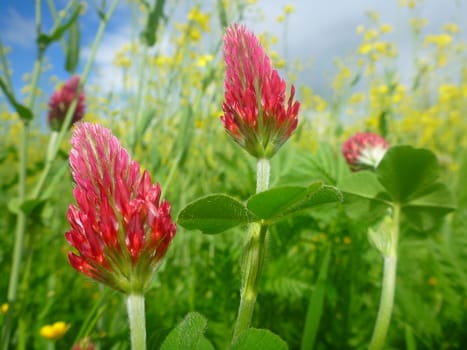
171, 127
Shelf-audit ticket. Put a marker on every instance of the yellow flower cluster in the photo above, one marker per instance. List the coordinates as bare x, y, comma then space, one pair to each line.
372, 46
198, 22
288, 9
54, 331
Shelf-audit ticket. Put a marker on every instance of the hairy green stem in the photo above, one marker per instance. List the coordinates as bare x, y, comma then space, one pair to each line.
253, 258
136, 317
388, 288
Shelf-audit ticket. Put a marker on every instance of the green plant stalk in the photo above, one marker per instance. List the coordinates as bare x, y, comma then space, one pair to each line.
54, 142
5, 69
140, 101
136, 317
21, 216
253, 258
383, 318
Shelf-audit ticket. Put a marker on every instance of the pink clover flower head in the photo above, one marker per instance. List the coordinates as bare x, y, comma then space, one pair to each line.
61, 100
120, 227
257, 113
364, 150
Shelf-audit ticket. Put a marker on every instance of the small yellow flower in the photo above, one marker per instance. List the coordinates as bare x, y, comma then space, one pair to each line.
417, 24
280, 18
432, 281
54, 331
203, 60
451, 28
386, 28
288, 9
357, 98
4, 308
360, 29
365, 48
383, 89
440, 40
347, 240
371, 34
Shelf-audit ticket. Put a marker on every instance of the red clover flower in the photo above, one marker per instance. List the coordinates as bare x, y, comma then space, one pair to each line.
61, 100
257, 114
119, 227
364, 150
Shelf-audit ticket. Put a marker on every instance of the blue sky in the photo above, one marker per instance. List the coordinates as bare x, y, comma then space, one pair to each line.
321, 30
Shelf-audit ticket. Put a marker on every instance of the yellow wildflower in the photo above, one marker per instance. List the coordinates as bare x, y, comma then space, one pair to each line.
383, 89
280, 18
386, 28
432, 281
371, 34
360, 29
201, 18
357, 98
203, 60
288, 9
417, 24
451, 28
54, 331
365, 48
440, 40
4, 308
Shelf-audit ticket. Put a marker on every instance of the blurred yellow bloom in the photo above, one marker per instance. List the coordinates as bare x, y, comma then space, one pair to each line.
365, 48
162, 60
203, 60
194, 34
347, 240
441, 60
357, 98
386, 28
371, 34
288, 9
383, 89
4, 308
122, 61
360, 29
280, 18
201, 18
448, 92
373, 15
319, 103
408, 3
54, 331
418, 24
440, 40
432, 281
451, 28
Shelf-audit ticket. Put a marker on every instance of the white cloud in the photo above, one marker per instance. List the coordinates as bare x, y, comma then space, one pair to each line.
18, 30
104, 71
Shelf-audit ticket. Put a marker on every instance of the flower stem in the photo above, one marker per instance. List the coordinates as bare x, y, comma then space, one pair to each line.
55, 142
21, 216
136, 317
388, 289
253, 258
